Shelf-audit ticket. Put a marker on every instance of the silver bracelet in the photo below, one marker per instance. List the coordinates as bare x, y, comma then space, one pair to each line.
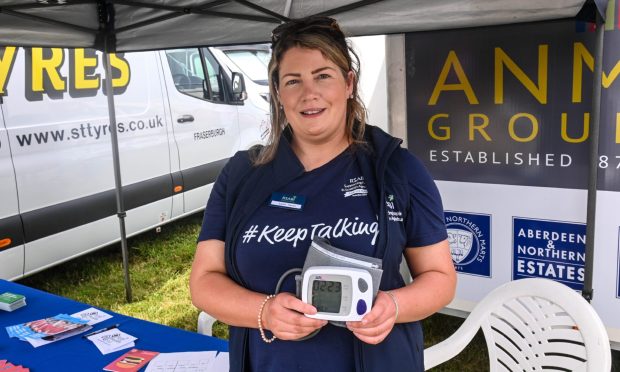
260, 321
395, 304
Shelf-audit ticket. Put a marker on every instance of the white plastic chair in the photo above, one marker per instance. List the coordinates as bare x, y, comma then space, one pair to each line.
532, 325
205, 324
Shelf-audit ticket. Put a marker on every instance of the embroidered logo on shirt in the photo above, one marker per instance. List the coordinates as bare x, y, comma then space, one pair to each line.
393, 214
355, 187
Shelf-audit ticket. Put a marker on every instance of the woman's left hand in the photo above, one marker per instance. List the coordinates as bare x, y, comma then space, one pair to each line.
378, 323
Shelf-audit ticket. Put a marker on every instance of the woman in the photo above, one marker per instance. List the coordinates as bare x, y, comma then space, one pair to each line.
353, 185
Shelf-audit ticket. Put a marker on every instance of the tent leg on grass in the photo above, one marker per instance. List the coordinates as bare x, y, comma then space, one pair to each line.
120, 207
593, 137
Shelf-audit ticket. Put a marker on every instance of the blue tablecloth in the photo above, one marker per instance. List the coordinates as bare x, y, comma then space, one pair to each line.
76, 353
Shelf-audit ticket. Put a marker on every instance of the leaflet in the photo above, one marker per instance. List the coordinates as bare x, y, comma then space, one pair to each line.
194, 361
48, 329
92, 315
112, 340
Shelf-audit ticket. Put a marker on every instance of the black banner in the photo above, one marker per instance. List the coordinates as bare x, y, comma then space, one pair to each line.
512, 104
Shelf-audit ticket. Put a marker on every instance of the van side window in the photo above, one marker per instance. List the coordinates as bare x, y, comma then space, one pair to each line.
188, 73
215, 77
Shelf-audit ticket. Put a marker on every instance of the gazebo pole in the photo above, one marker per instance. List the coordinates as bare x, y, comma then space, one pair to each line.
120, 207
588, 291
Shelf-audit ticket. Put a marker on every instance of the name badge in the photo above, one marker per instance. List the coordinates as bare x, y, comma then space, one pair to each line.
287, 201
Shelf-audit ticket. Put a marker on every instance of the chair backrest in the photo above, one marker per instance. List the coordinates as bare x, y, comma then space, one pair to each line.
537, 325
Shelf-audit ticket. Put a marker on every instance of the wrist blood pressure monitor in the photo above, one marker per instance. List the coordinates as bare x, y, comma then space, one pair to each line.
338, 293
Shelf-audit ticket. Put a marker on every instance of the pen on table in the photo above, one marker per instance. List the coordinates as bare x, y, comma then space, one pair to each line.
101, 330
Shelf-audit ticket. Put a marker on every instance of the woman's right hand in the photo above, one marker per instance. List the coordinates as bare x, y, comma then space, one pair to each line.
217, 294
284, 317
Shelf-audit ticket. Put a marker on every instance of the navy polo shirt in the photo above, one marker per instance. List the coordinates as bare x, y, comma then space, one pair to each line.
336, 206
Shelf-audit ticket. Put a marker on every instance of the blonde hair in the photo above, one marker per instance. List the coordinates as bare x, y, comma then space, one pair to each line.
322, 34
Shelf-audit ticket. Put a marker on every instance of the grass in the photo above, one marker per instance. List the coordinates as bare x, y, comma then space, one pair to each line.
159, 268
159, 272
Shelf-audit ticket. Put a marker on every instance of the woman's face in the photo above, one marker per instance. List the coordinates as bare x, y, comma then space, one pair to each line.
314, 95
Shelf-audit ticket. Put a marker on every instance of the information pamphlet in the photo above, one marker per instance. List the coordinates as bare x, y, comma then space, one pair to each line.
48, 329
131, 361
92, 315
11, 301
6, 366
190, 361
112, 340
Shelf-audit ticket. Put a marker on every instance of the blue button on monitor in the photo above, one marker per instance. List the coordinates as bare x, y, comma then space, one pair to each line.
361, 307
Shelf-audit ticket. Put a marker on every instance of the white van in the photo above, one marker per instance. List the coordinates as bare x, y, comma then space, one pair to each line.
178, 122
251, 60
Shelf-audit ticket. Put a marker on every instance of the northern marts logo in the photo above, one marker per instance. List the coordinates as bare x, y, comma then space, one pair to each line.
469, 237
461, 242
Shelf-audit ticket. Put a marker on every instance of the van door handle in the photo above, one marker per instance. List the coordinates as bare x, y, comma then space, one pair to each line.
185, 119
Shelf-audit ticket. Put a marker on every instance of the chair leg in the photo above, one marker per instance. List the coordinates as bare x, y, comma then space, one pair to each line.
205, 324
